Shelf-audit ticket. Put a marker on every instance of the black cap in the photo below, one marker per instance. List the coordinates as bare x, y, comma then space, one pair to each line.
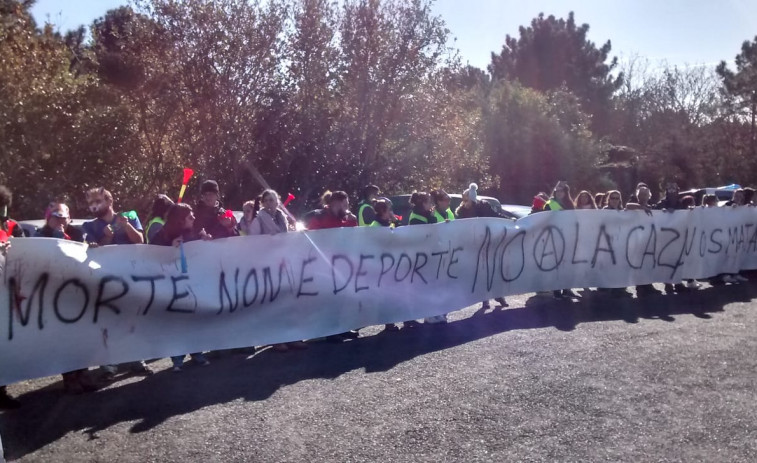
208, 186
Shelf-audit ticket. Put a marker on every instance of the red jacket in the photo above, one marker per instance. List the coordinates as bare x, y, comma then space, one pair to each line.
325, 219
14, 230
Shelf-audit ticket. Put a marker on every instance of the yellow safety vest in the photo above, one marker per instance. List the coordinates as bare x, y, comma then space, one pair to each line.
360, 220
442, 218
413, 215
149, 224
553, 205
376, 223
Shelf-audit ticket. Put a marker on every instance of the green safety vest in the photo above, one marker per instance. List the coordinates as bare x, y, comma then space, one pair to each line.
149, 224
441, 218
376, 223
413, 215
553, 205
360, 220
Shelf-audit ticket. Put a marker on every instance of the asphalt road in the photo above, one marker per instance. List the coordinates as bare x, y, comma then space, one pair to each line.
603, 378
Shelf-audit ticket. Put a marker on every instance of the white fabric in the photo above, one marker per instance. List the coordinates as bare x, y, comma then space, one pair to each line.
65, 306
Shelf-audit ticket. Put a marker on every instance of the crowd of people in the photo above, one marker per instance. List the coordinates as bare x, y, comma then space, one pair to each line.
172, 224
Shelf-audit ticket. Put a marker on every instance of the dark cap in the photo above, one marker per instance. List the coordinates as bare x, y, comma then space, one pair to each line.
209, 186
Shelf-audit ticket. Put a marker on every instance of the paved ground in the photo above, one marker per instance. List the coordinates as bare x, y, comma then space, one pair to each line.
662, 378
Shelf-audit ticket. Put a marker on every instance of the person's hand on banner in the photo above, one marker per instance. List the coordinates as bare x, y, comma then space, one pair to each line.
205, 235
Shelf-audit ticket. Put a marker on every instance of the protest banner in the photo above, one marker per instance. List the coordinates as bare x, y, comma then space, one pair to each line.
66, 306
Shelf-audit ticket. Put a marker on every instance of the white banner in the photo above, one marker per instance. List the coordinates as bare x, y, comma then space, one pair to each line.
65, 306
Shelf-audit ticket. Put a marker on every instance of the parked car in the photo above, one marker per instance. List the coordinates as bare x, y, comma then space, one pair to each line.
724, 193
401, 206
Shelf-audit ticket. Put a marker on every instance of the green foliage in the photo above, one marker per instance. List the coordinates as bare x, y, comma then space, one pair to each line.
308, 95
556, 53
534, 139
740, 88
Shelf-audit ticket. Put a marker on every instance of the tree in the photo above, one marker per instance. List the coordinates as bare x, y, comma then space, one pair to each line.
60, 131
533, 140
741, 87
554, 53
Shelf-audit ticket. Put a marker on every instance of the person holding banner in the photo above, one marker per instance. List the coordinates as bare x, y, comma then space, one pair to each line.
178, 229
640, 202
561, 201
670, 203
160, 206
58, 225
249, 212
272, 221
384, 218
335, 214
208, 209
471, 207
365, 213
110, 228
614, 201
442, 212
584, 200
8, 227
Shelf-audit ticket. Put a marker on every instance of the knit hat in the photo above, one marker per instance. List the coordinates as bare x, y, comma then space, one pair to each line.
472, 192
209, 186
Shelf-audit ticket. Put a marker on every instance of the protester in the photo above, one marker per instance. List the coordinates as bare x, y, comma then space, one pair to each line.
8, 227
442, 211
641, 203
614, 201
670, 203
471, 207
109, 227
748, 196
365, 212
270, 220
421, 212
584, 200
58, 225
384, 218
540, 199
640, 199
599, 200
709, 200
208, 209
249, 212
560, 201
178, 229
228, 223
688, 202
738, 199
335, 214
160, 206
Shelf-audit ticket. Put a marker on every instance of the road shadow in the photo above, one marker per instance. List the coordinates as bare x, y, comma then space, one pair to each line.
48, 415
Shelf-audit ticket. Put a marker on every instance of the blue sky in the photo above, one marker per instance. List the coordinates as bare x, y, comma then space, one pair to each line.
680, 32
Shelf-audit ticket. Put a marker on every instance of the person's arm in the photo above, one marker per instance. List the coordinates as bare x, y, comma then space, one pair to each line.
134, 235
